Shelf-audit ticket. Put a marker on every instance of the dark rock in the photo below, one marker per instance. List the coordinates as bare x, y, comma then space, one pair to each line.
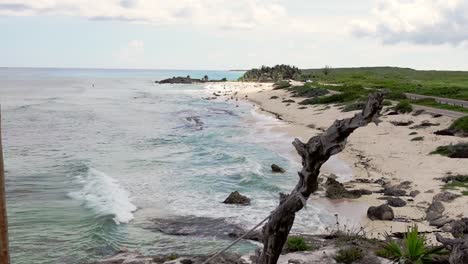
459, 227
425, 124
380, 181
237, 198
441, 221
436, 115
360, 192
361, 180
186, 261
445, 132
445, 197
288, 101
401, 123
436, 206
382, 212
393, 113
336, 190
404, 185
276, 168
394, 191
418, 112
274, 97
414, 193
396, 202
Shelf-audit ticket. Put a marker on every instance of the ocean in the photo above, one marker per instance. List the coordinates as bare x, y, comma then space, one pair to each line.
92, 157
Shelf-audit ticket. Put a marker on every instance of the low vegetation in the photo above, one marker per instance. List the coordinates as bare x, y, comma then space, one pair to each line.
432, 103
349, 255
459, 150
296, 243
450, 84
403, 107
456, 182
412, 249
460, 125
281, 85
417, 139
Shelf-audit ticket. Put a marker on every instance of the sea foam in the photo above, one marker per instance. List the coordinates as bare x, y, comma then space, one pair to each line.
105, 196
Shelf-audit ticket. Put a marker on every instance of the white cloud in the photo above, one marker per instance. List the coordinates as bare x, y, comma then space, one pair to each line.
132, 53
243, 14
416, 21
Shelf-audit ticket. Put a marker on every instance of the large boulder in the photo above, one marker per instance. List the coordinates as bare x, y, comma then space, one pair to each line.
445, 197
336, 190
396, 202
276, 168
381, 212
237, 198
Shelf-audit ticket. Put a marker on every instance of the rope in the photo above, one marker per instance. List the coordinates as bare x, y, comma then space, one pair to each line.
235, 241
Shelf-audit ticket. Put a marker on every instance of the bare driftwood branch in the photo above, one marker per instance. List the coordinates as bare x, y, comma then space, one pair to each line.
458, 247
314, 154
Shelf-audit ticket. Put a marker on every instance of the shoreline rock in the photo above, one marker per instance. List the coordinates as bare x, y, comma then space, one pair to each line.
237, 198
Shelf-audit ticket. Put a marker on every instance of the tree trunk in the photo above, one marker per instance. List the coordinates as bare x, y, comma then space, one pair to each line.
314, 154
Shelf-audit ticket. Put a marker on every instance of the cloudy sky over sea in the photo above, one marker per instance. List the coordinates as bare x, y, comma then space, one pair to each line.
226, 34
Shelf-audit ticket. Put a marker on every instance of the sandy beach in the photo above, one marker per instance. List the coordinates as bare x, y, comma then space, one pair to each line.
373, 152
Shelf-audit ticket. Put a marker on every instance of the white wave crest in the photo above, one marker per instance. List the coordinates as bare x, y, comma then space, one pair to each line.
105, 196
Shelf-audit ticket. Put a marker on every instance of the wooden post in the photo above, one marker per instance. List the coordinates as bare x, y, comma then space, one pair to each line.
4, 253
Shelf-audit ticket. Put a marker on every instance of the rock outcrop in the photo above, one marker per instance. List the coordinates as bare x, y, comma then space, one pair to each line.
237, 198
382, 212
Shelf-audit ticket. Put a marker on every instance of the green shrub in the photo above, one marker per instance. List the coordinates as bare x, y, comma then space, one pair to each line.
354, 106
395, 95
296, 244
349, 255
412, 249
459, 150
281, 85
460, 125
404, 107
455, 182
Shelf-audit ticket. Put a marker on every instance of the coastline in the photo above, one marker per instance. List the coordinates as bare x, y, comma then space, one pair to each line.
372, 152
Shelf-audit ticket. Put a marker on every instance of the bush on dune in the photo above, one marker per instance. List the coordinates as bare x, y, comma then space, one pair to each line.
459, 150
404, 107
281, 85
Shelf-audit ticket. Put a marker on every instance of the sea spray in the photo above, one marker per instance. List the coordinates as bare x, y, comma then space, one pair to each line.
105, 196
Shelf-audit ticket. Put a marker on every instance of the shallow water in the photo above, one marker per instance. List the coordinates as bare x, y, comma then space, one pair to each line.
92, 156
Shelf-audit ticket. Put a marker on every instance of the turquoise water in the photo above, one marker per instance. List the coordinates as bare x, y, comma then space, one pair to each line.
92, 156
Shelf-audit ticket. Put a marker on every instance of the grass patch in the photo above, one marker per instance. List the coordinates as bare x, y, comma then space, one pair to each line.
308, 90
349, 255
412, 249
457, 182
281, 85
450, 84
296, 243
460, 125
404, 107
459, 150
354, 106
432, 103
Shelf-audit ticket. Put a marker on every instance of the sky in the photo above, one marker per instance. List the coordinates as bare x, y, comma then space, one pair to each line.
233, 34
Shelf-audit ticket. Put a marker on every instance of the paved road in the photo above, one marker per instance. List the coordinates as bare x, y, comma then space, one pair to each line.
441, 100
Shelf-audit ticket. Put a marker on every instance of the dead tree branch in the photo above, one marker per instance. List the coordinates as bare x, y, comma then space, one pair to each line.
314, 154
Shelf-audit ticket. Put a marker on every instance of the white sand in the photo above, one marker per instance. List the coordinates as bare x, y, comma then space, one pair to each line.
372, 152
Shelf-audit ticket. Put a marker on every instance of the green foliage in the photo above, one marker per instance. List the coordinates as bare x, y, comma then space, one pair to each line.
458, 182
432, 103
296, 244
308, 90
268, 74
395, 95
412, 250
349, 255
281, 85
404, 107
451, 84
460, 125
459, 150
359, 105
